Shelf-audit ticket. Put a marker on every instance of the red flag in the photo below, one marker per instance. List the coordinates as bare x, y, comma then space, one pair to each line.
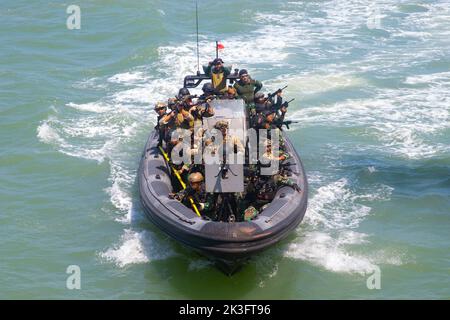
220, 46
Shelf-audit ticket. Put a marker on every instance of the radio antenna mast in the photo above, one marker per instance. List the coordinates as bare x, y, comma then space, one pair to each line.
198, 53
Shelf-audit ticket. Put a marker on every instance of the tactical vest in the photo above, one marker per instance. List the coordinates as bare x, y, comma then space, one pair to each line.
246, 91
219, 81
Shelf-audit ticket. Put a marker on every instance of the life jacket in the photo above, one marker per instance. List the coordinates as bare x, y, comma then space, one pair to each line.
219, 81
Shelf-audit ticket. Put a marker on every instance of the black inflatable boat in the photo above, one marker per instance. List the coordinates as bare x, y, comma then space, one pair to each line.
228, 244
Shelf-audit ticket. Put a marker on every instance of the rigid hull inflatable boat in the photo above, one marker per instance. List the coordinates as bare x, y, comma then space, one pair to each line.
228, 244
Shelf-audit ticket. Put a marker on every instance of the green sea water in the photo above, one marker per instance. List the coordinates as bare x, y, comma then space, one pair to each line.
372, 86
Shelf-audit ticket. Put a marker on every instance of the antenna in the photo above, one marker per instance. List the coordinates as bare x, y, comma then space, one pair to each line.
217, 49
198, 53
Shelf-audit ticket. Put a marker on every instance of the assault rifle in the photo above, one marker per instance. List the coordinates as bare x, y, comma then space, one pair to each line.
284, 104
286, 123
273, 94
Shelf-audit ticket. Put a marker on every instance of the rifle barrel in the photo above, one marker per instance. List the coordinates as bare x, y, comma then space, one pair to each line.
270, 95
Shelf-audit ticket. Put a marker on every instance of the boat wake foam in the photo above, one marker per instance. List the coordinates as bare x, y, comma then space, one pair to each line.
138, 247
327, 237
403, 122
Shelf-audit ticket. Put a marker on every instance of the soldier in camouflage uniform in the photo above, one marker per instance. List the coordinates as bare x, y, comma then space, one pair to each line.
230, 141
246, 88
195, 189
203, 108
261, 103
281, 178
178, 118
218, 73
160, 109
185, 98
247, 204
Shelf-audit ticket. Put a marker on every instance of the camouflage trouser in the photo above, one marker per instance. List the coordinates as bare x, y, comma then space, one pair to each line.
242, 204
282, 180
204, 202
281, 143
283, 146
251, 109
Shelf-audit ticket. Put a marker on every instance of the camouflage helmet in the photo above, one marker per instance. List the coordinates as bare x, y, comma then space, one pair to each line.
208, 88
217, 61
160, 105
195, 177
183, 92
259, 95
171, 102
243, 72
221, 124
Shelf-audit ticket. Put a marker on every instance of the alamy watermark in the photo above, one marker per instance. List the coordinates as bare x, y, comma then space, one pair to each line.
216, 146
73, 281
374, 19
73, 21
374, 280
